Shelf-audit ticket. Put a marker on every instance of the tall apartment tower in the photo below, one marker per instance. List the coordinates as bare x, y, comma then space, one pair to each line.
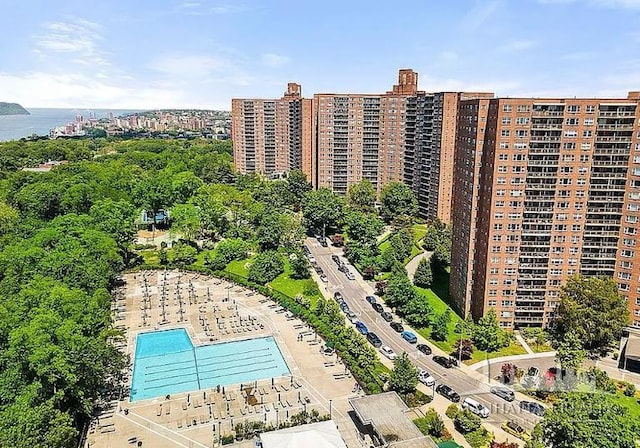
273, 136
545, 189
429, 157
362, 136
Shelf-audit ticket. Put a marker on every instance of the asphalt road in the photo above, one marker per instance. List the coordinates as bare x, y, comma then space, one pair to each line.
354, 292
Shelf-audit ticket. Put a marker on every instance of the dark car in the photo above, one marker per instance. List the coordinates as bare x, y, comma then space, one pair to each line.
377, 307
424, 348
387, 316
371, 299
323, 242
503, 392
397, 326
336, 259
362, 328
374, 340
342, 268
444, 361
344, 307
338, 295
533, 407
448, 393
306, 250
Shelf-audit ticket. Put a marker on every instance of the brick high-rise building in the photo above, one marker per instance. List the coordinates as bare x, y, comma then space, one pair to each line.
273, 136
544, 189
362, 136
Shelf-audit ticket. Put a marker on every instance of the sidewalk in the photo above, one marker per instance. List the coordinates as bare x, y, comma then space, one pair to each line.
495, 361
413, 263
524, 344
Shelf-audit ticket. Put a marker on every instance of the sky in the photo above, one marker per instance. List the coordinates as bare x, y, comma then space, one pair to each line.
146, 54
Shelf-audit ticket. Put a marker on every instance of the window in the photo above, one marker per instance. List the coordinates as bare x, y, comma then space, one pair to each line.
585, 146
505, 133
504, 145
570, 145
626, 253
624, 275
573, 108
626, 264
500, 192
507, 108
492, 303
571, 134
568, 158
506, 120
588, 121
503, 156
571, 121
586, 134
497, 227
590, 109
523, 108
493, 271
502, 169
499, 203
522, 121
631, 219
520, 145
519, 157
521, 133
498, 215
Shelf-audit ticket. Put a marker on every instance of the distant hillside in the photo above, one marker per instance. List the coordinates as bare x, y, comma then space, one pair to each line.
12, 109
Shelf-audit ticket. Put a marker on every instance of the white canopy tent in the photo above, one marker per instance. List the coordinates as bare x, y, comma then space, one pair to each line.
314, 435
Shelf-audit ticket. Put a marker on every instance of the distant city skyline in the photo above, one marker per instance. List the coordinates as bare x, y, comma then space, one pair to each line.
200, 54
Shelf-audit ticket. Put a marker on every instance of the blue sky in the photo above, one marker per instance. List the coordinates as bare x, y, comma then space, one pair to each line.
201, 53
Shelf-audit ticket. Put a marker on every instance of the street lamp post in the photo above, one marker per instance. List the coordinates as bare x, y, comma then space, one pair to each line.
330, 401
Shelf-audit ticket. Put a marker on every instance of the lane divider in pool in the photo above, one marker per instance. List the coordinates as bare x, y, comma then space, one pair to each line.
195, 359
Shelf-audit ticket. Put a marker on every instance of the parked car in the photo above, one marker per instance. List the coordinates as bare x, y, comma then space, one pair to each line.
387, 316
388, 352
448, 393
424, 348
409, 337
342, 268
306, 250
337, 295
377, 307
322, 241
425, 378
362, 328
476, 407
324, 278
515, 429
351, 316
533, 407
336, 259
374, 339
444, 361
503, 392
397, 326
370, 299
350, 275
311, 258
344, 307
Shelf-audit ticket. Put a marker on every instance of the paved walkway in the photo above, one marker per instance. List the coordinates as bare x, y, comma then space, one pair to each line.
503, 359
524, 344
413, 263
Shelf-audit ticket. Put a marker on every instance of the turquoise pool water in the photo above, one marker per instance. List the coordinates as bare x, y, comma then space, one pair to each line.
166, 362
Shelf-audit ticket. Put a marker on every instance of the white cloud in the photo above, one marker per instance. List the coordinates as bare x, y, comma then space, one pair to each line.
479, 14
274, 60
517, 46
190, 66
76, 37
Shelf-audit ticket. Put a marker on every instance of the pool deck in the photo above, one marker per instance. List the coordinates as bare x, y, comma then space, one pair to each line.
213, 310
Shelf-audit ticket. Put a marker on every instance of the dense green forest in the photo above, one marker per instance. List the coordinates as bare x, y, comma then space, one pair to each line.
64, 236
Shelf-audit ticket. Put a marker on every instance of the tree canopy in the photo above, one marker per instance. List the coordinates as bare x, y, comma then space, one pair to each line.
588, 421
397, 201
593, 309
404, 376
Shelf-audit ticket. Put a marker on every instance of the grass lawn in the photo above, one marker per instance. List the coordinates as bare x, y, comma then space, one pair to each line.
292, 287
419, 231
631, 403
440, 306
199, 263
151, 257
239, 267
542, 348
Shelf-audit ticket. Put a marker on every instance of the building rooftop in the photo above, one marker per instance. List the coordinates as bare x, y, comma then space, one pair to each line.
386, 413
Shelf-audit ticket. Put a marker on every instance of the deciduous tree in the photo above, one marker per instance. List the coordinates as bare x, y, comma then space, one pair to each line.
593, 309
362, 196
423, 276
397, 201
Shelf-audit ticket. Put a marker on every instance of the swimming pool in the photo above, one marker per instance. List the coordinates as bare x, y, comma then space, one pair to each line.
166, 362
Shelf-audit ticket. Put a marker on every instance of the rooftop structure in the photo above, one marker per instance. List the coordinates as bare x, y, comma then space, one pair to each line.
384, 416
314, 435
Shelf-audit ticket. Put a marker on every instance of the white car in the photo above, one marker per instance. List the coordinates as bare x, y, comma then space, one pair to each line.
350, 275
475, 407
425, 378
388, 352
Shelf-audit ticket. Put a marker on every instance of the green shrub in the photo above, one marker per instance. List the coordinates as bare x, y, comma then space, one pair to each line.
431, 424
629, 389
452, 411
266, 267
479, 438
466, 421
